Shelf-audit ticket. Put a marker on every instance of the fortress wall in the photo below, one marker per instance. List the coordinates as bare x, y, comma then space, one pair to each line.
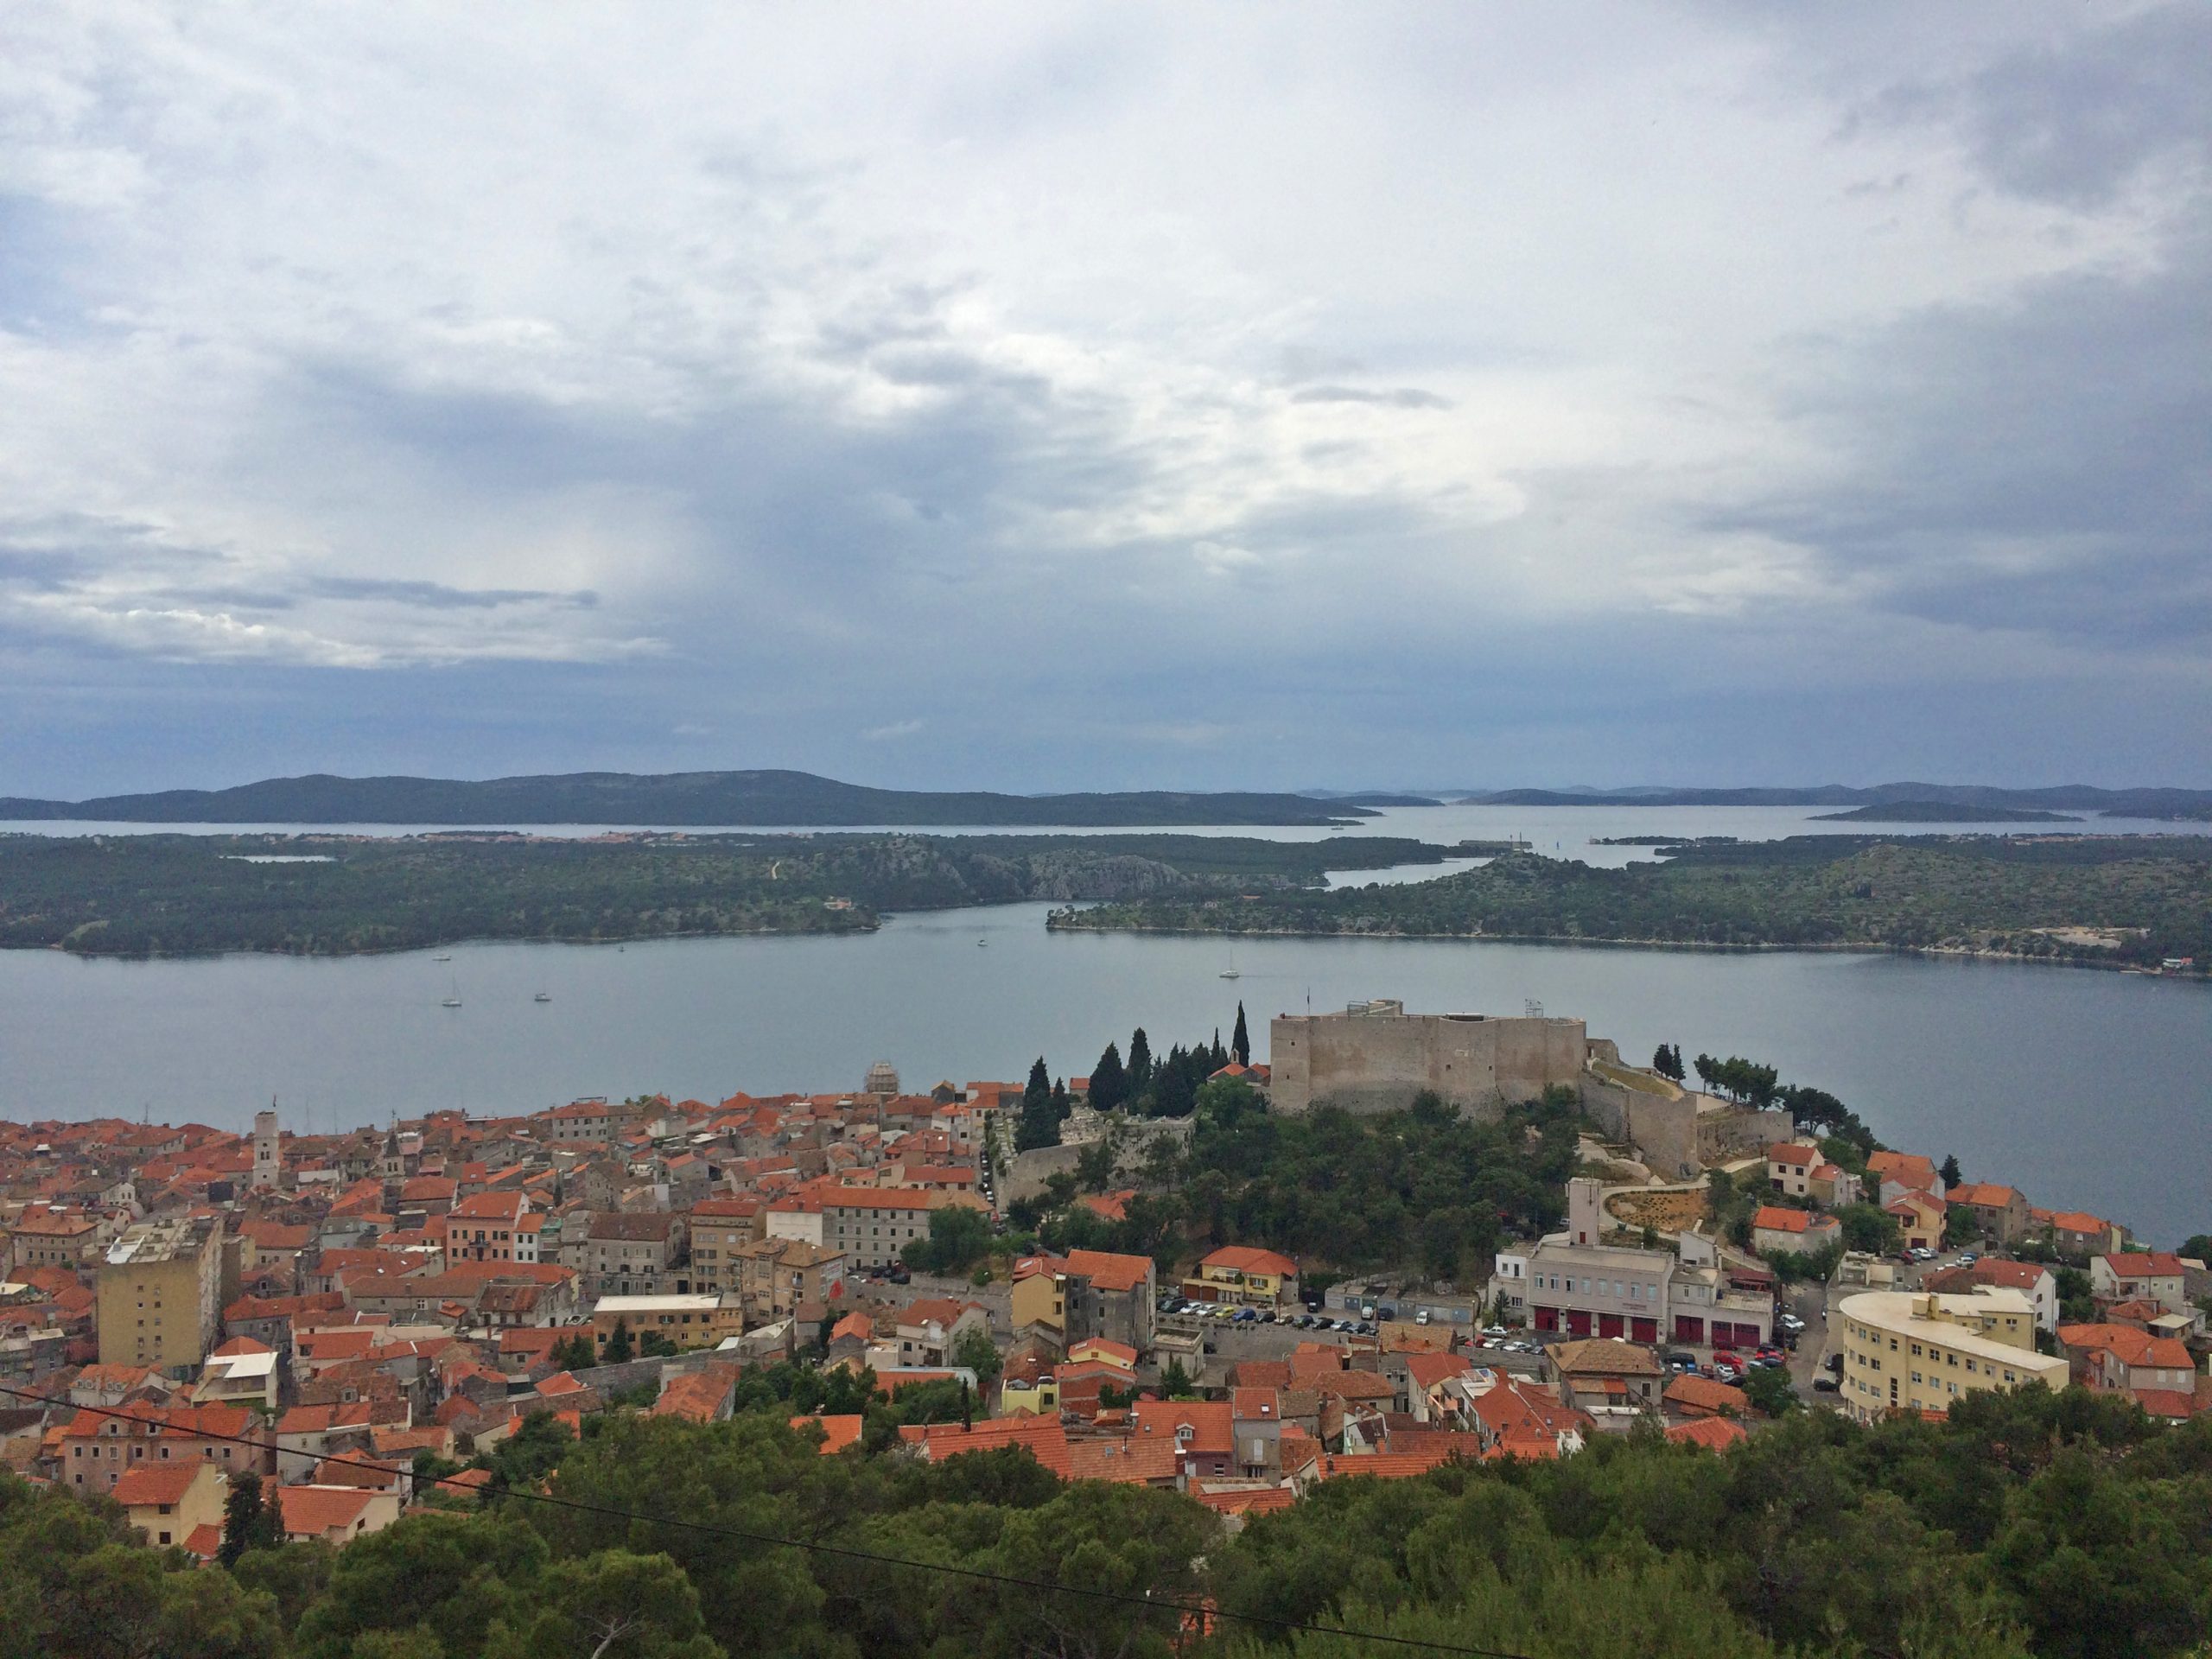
1731, 1134
1374, 1063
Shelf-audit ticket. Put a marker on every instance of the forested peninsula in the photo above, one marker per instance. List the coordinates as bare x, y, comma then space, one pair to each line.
333, 895
2112, 900
722, 799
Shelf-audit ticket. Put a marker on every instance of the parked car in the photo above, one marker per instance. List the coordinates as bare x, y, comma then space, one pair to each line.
1495, 1331
1827, 1385
1422, 1317
1835, 1364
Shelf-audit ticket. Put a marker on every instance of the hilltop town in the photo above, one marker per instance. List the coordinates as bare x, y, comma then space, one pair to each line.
358, 1323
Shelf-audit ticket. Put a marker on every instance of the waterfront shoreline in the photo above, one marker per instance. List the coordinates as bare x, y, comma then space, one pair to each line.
1861, 948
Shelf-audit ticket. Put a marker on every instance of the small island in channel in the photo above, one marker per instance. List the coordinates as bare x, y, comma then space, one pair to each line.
1942, 812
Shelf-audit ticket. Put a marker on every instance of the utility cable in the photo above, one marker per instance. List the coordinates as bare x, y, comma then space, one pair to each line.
1195, 1610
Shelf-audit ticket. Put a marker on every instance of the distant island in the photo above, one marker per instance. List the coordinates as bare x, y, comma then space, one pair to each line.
2149, 802
1943, 812
2111, 900
732, 799
801, 799
156, 894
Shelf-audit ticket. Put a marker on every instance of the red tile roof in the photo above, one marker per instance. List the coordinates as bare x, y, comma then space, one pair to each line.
1110, 1271
155, 1482
1715, 1434
2146, 1264
838, 1432
1243, 1258
313, 1510
1046, 1439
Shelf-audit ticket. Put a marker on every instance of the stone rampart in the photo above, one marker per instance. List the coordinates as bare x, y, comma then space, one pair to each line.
1376, 1062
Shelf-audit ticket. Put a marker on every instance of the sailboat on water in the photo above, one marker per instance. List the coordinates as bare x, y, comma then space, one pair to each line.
1231, 972
453, 993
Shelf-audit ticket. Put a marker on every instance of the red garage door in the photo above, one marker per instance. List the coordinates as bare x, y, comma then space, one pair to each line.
1547, 1319
1688, 1329
1610, 1324
1644, 1330
1578, 1321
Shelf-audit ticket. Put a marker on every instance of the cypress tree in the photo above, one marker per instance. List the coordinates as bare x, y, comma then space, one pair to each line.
1173, 1093
619, 1346
1140, 1063
1240, 1042
1040, 1117
247, 1523
1109, 1085
1061, 1105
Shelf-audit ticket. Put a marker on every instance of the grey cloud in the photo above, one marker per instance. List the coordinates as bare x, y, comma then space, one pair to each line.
436, 596
1393, 397
2074, 121
2044, 464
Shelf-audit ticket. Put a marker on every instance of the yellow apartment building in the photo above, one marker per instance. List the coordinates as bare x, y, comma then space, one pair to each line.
1918, 1351
160, 1294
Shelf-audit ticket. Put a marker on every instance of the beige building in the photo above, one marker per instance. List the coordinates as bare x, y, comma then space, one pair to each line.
160, 1294
871, 1226
170, 1502
1375, 1056
774, 1277
720, 1227
685, 1322
1909, 1351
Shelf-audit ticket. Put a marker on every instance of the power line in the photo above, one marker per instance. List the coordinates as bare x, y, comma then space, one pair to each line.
1195, 1610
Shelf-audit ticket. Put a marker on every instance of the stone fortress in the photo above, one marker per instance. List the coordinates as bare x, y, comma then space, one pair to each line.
1375, 1056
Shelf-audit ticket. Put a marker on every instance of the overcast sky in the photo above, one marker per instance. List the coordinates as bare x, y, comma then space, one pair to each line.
1042, 396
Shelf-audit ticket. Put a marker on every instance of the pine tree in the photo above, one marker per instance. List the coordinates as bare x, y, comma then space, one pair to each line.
1240, 1043
1217, 1056
1952, 1174
1139, 1063
1061, 1105
1108, 1085
1660, 1061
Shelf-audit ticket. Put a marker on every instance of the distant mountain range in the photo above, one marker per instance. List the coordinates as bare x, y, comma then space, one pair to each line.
2079, 797
800, 798
675, 798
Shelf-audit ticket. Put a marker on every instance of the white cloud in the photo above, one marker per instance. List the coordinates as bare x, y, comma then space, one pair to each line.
902, 336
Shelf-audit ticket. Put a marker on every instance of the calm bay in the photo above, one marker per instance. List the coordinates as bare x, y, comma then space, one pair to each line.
2087, 1090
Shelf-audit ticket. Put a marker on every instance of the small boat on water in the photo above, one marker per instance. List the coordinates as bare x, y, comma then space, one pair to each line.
453, 993
543, 996
441, 959
981, 944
